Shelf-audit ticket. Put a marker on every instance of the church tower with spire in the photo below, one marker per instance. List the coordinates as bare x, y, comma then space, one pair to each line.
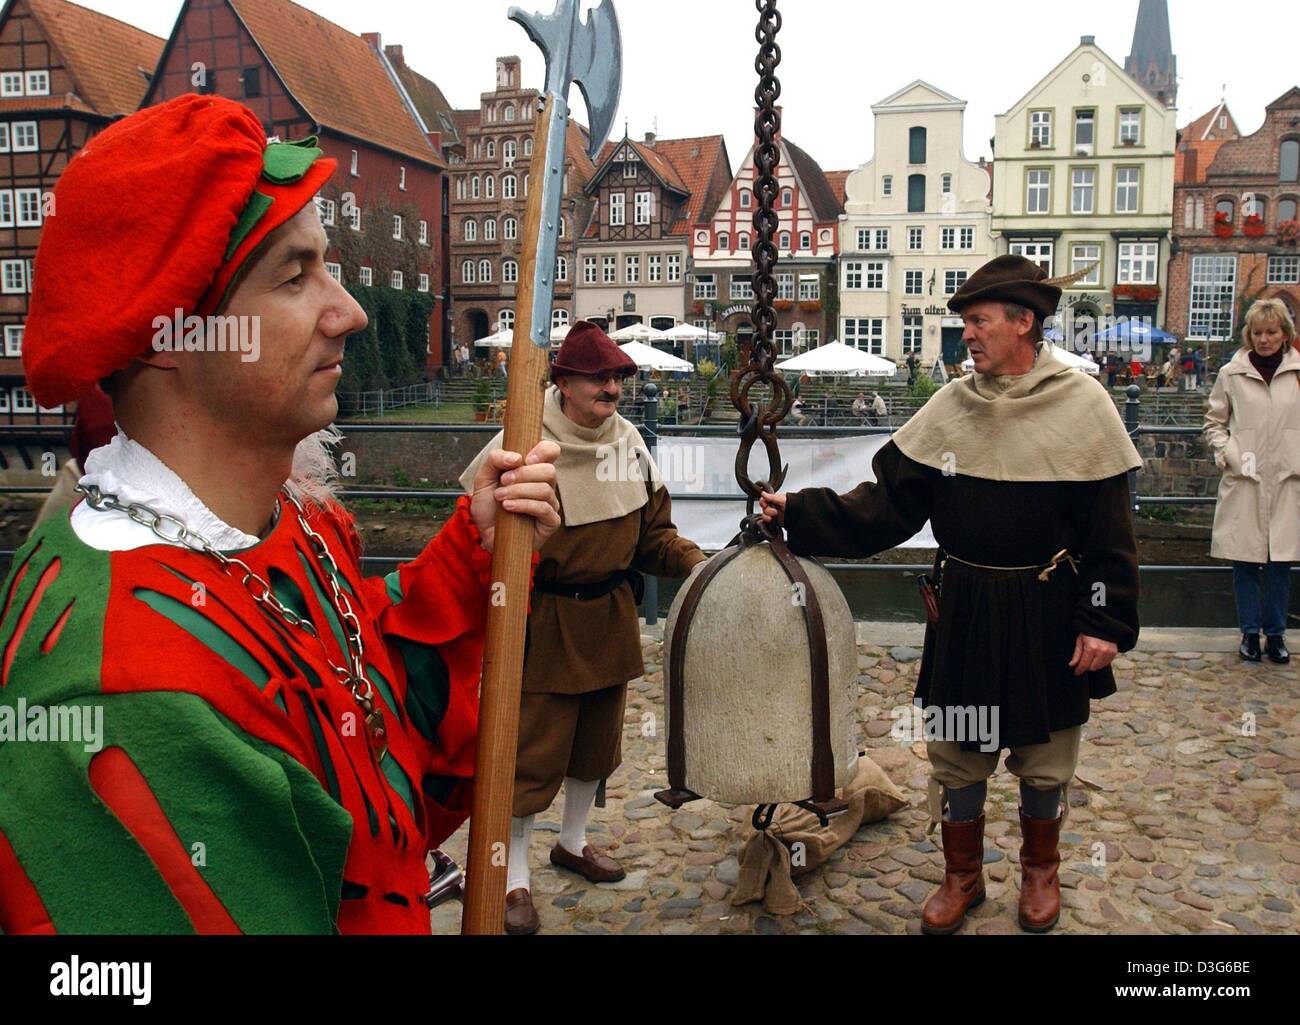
1152, 61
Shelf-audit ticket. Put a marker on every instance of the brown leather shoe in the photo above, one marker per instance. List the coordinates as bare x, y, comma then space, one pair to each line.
521, 916
963, 878
1040, 861
593, 866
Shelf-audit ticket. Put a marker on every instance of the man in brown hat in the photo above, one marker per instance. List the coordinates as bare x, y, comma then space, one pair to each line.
1022, 470
584, 641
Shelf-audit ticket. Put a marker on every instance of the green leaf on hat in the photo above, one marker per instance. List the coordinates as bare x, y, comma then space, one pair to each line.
287, 162
253, 213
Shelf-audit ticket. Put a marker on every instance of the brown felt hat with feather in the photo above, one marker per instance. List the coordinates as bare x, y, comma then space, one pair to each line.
1013, 279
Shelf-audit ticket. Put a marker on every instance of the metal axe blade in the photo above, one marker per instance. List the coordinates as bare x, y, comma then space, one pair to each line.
588, 53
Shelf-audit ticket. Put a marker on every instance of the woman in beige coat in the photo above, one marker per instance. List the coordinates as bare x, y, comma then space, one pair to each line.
1253, 428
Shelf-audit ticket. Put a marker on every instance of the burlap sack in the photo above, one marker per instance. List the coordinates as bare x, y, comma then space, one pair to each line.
767, 863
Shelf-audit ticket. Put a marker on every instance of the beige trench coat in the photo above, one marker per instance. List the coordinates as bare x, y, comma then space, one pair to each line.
1254, 432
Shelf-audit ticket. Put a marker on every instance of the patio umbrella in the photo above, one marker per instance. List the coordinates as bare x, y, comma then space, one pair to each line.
1139, 331
637, 333
647, 357
690, 333
500, 340
835, 359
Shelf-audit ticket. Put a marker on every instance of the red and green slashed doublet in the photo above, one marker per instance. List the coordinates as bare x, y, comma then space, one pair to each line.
236, 790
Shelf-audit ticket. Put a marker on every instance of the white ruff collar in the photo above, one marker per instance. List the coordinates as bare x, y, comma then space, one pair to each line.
131, 472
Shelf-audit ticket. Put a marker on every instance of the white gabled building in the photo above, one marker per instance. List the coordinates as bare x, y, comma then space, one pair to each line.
916, 225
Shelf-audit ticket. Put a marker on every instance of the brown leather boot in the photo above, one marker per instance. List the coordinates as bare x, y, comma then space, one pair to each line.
1040, 861
963, 879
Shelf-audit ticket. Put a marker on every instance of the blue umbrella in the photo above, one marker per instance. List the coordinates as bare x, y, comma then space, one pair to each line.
1136, 331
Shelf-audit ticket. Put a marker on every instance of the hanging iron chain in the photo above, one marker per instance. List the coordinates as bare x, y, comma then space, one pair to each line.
761, 424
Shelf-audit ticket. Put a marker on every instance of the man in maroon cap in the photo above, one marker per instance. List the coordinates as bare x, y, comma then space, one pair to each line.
1022, 469
584, 642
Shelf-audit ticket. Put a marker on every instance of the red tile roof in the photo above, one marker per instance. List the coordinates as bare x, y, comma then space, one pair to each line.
335, 76
428, 98
109, 60
837, 180
686, 165
27, 104
1193, 139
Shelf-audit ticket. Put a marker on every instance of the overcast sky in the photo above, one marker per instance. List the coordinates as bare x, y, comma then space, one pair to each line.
689, 64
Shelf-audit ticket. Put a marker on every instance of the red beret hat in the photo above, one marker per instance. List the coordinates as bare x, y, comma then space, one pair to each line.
589, 351
157, 213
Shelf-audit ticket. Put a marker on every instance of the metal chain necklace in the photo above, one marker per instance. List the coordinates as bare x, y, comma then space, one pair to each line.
173, 531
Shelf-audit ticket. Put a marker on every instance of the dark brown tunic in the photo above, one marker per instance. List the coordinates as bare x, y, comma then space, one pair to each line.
1004, 639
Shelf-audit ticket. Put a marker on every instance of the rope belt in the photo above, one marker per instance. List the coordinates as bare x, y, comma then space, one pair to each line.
1047, 570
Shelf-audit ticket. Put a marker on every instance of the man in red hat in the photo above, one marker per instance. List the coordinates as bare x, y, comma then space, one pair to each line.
584, 639
1022, 469
239, 732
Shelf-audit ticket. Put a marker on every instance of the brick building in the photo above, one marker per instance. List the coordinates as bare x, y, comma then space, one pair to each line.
808, 244
65, 73
491, 181
384, 208
1235, 226
634, 263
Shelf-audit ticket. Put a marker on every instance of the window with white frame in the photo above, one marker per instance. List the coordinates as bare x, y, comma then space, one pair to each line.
873, 239
742, 286
853, 275
4, 142
489, 187
328, 210
335, 270
1037, 252
746, 199
424, 282
913, 335
914, 282
632, 269
915, 240
654, 269
367, 276
953, 280
1038, 191
510, 111
475, 187
810, 288
491, 149
629, 169
11, 83
23, 401
724, 242
485, 271
526, 179
947, 238
509, 272
401, 178
397, 227
490, 230
1138, 263
742, 242
510, 229
967, 237
14, 276
643, 206
785, 286
866, 334
1130, 127
6, 208
811, 340
561, 268
460, 188
589, 270
560, 225
706, 286
674, 268
1085, 131
509, 187
471, 231
528, 147
29, 207
14, 340
4, 400
509, 150
506, 320
946, 185
559, 320
1213, 296
468, 273
1040, 129
805, 241
887, 186
1082, 256
354, 216
617, 210
784, 342
356, 163
397, 281
26, 137
787, 197
609, 270
1083, 190
1128, 188
1284, 270
784, 242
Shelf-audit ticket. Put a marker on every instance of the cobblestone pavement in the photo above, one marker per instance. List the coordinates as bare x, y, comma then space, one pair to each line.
1183, 820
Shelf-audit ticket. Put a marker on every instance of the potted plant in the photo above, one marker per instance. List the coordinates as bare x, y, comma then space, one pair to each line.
1288, 232
784, 305
482, 399
1124, 292
811, 305
1254, 226
1223, 225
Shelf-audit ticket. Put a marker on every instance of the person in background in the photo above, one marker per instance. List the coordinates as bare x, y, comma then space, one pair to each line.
879, 411
1251, 425
860, 407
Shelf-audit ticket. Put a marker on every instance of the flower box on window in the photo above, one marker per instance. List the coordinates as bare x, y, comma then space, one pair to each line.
1288, 232
1254, 226
811, 306
784, 305
1223, 225
1138, 293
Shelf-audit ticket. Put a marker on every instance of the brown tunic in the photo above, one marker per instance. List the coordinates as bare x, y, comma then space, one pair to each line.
577, 647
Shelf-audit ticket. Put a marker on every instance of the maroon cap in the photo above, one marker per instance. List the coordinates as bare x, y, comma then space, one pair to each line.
590, 352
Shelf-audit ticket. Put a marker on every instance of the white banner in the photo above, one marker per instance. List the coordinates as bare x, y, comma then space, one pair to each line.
707, 466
